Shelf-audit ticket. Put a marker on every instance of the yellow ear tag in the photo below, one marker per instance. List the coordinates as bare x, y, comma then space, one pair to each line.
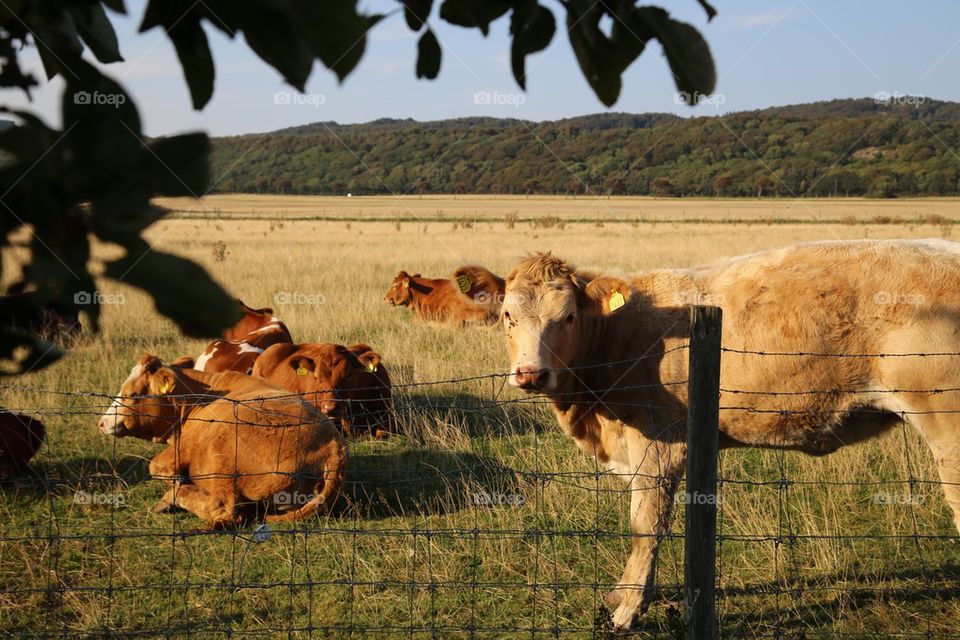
463, 282
406, 283
616, 301
372, 368
302, 371
165, 388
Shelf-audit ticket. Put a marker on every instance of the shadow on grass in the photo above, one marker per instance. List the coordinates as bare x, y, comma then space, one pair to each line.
87, 473
422, 482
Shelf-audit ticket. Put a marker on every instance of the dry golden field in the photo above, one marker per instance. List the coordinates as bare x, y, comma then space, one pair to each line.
410, 553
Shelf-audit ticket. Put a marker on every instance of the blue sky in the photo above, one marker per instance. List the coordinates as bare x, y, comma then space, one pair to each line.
767, 53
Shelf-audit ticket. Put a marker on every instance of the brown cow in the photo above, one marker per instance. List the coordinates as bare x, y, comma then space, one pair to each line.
20, 437
243, 343
824, 298
349, 383
236, 444
473, 295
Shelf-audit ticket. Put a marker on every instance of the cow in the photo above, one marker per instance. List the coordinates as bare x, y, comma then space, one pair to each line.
350, 384
473, 295
237, 445
20, 437
610, 355
243, 343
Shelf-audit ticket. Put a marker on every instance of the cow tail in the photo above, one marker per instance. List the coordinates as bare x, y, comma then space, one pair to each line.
325, 491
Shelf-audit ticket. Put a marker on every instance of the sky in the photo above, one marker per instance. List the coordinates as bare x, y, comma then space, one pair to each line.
766, 53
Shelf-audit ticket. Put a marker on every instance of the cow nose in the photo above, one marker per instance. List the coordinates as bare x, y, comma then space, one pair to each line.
328, 407
102, 425
531, 377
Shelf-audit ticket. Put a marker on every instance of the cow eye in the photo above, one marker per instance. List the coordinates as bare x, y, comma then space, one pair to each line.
506, 315
570, 318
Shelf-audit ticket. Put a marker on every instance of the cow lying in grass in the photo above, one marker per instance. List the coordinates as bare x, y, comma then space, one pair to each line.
899, 297
243, 343
473, 295
347, 383
20, 437
238, 446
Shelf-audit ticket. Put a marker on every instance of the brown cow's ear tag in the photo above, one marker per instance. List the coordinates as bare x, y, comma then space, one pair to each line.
372, 368
616, 301
463, 282
302, 371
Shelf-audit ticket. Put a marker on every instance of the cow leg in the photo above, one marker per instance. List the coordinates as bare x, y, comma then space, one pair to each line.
167, 466
217, 512
944, 443
658, 468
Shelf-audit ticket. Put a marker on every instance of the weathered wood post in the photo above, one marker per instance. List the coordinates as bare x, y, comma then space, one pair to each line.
703, 436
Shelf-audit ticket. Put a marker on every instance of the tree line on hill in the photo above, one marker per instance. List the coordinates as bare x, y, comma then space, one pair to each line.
865, 147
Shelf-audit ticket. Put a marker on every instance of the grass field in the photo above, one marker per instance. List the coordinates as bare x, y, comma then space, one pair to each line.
409, 553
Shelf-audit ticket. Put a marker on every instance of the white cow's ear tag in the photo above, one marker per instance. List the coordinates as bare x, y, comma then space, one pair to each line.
463, 282
302, 371
616, 301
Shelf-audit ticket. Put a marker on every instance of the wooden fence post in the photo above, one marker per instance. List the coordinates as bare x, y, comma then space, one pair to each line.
703, 435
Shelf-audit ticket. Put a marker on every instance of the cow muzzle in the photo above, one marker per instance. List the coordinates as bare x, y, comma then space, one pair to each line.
530, 378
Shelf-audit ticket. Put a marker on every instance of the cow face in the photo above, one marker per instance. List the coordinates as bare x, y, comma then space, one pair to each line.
546, 311
399, 293
143, 408
326, 375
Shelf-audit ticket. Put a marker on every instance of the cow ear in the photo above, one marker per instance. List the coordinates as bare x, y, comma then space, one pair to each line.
162, 382
370, 360
184, 362
606, 295
150, 363
406, 282
302, 365
416, 275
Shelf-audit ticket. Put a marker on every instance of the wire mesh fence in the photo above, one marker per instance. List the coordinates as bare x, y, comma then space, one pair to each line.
480, 520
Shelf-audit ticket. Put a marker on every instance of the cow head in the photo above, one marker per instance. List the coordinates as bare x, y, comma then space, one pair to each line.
548, 308
400, 291
252, 320
143, 408
327, 372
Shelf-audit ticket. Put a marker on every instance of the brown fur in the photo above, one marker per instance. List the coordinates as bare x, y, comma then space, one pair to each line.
237, 444
442, 300
842, 297
243, 343
350, 383
20, 437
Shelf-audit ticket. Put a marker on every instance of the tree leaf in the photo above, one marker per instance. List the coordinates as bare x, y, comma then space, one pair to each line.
181, 290
471, 13
687, 52
532, 26
335, 32
428, 56
97, 31
599, 60
24, 352
711, 12
182, 22
180, 166
416, 13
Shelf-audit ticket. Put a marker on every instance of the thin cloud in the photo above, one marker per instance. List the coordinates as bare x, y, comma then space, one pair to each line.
767, 18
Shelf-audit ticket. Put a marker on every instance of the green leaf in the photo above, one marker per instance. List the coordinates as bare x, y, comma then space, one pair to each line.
97, 31
181, 290
416, 13
711, 12
600, 60
687, 52
474, 13
335, 32
180, 166
428, 56
116, 5
532, 26
182, 22
23, 352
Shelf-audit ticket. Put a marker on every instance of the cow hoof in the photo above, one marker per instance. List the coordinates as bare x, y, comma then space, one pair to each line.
164, 507
613, 598
624, 617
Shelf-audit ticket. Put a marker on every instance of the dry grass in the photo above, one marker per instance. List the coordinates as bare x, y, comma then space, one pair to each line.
408, 547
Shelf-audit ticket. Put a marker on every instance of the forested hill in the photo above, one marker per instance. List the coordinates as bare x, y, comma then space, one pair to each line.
841, 147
